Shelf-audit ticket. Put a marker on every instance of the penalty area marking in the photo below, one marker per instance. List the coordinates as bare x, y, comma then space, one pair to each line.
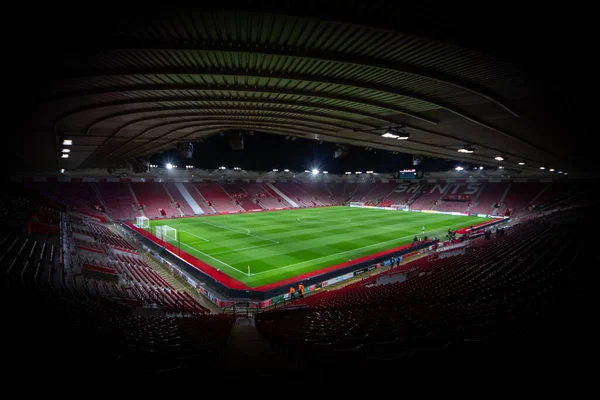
244, 248
247, 230
201, 238
212, 258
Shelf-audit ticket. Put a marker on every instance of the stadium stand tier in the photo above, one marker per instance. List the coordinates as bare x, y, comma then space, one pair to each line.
218, 198
165, 200
106, 308
506, 297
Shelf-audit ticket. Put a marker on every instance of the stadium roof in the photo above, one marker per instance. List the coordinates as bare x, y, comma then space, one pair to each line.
130, 87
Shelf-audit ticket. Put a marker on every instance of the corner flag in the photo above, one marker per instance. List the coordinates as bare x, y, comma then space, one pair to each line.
248, 270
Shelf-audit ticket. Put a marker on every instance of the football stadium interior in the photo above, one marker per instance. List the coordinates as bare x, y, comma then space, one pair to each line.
293, 192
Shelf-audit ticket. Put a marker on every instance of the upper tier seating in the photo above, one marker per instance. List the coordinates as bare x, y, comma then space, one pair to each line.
297, 194
362, 192
452, 206
491, 194
234, 197
320, 192
379, 193
342, 192
265, 198
426, 200
218, 197
520, 196
197, 196
119, 200
241, 197
80, 197
154, 198
178, 198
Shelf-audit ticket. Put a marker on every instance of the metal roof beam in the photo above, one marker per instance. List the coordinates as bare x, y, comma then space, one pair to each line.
133, 45
233, 72
198, 99
219, 88
209, 108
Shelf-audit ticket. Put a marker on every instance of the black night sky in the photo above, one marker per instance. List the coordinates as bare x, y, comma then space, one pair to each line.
265, 152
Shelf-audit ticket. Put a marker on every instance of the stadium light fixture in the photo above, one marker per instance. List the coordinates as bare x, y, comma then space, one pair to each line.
481, 167
64, 155
315, 171
275, 170
459, 168
499, 158
521, 162
566, 173
222, 167
396, 133
500, 167
67, 142
358, 172
369, 172
348, 173
286, 170
62, 170
65, 150
307, 171
551, 170
466, 149
169, 166
325, 172
542, 167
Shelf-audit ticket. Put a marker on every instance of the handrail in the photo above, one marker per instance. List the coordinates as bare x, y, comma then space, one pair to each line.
249, 305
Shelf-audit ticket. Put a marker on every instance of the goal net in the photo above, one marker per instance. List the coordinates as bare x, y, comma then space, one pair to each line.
402, 207
166, 233
142, 222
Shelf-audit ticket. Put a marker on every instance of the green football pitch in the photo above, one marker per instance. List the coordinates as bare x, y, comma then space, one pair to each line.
283, 244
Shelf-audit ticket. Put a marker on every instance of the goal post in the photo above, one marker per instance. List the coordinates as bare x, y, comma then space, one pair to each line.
166, 233
142, 222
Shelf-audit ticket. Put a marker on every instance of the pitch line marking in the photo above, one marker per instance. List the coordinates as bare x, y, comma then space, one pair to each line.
209, 256
343, 252
201, 238
248, 230
336, 254
299, 219
244, 248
